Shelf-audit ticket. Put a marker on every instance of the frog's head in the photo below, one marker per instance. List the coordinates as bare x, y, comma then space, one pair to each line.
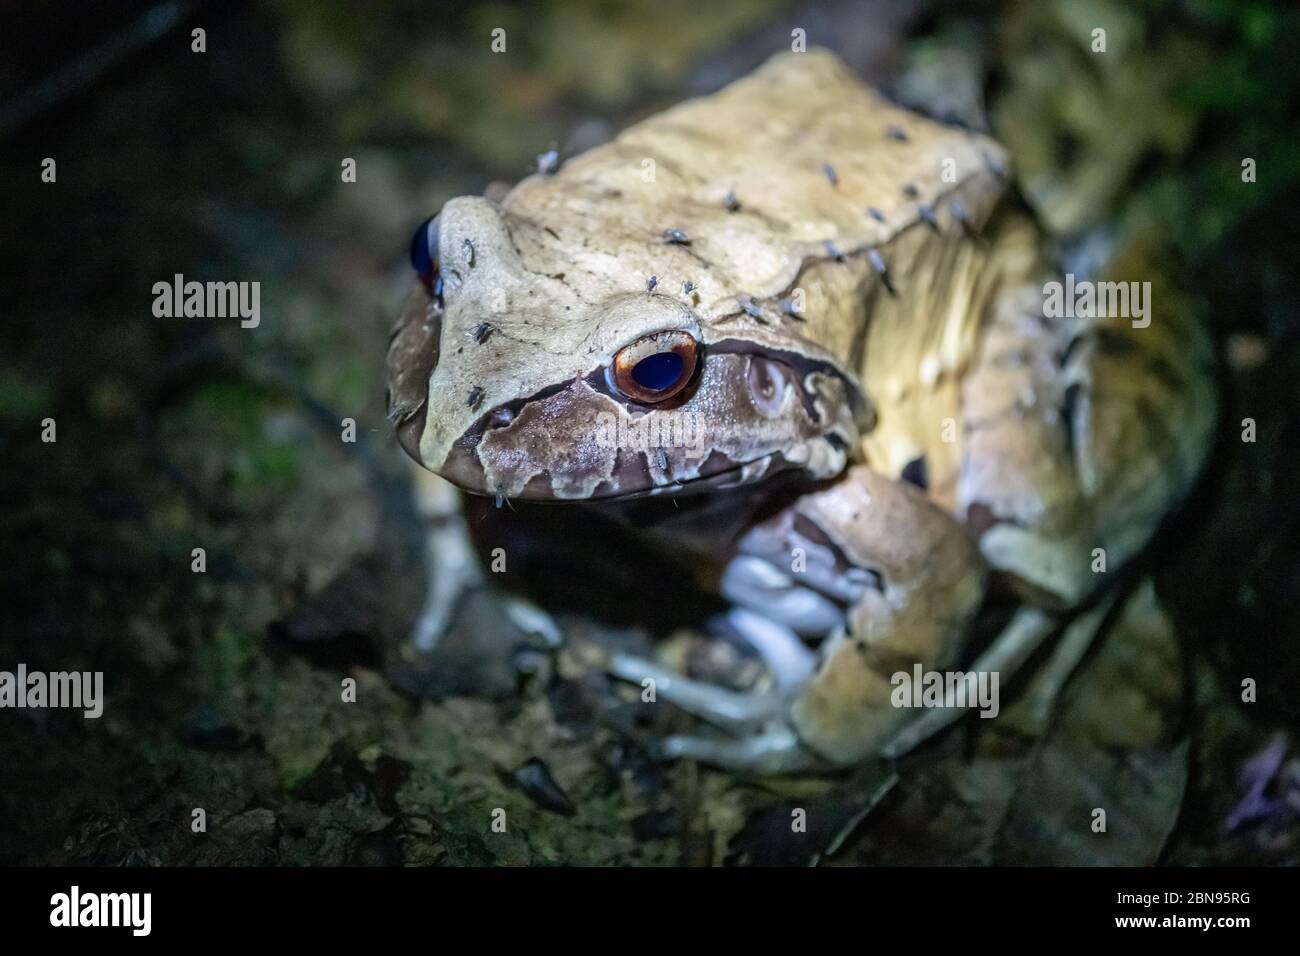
561, 385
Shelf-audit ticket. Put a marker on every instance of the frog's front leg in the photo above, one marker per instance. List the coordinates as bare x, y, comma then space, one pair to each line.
451, 562
454, 569
904, 579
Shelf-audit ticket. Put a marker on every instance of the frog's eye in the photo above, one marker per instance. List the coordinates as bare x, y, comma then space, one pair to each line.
656, 367
424, 249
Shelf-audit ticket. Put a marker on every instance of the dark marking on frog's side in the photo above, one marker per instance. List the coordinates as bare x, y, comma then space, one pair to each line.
475, 398
961, 214
843, 568
676, 237
650, 283
1119, 346
1070, 349
482, 332
469, 252
917, 473
730, 202
995, 166
551, 232
910, 191
926, 213
896, 133
831, 175
836, 441
1069, 414
875, 214
878, 263
1115, 344
833, 250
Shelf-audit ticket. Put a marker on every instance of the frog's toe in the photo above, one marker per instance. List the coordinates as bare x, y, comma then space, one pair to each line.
774, 749
755, 583
533, 620
732, 711
788, 659
760, 740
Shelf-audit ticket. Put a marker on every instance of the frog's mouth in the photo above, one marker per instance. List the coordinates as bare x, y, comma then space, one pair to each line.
631, 478
577, 442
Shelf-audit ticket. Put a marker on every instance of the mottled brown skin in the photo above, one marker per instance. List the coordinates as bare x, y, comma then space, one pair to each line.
917, 348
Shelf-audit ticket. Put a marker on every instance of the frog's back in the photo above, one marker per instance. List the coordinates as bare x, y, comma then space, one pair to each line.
798, 163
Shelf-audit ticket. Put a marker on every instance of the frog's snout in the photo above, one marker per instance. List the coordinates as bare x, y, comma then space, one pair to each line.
412, 356
549, 446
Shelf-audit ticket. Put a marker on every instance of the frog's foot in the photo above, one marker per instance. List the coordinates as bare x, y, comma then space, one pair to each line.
760, 739
1079, 436
788, 661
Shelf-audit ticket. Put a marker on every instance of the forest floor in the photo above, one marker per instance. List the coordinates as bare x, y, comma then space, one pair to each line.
224, 688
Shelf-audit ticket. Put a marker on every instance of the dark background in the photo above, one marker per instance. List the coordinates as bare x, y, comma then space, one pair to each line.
180, 433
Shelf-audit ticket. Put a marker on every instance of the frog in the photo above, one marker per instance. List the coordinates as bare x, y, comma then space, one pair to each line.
799, 336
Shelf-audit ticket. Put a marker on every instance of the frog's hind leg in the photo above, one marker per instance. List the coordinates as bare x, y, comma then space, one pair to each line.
1070, 650
1079, 434
1022, 636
